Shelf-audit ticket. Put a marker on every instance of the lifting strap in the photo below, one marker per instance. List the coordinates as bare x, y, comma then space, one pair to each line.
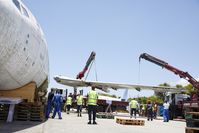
90, 69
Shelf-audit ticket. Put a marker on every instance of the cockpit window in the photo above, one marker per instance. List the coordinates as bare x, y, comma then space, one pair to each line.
17, 4
25, 12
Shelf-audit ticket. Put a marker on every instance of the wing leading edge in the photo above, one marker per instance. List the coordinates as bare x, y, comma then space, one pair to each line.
105, 86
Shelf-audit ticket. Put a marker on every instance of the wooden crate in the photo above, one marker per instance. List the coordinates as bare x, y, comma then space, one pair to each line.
130, 121
191, 130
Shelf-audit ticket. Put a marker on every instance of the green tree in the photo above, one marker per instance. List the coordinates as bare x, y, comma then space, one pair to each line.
144, 100
190, 89
165, 84
161, 95
179, 86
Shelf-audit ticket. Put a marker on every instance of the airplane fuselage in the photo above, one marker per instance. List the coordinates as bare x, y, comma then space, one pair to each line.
23, 48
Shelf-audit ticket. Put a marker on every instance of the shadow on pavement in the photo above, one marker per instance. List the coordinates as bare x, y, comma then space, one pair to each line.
17, 126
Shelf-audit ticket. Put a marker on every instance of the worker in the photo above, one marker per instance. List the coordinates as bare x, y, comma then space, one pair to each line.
149, 111
69, 103
79, 105
49, 104
155, 110
143, 110
57, 100
133, 107
92, 104
166, 111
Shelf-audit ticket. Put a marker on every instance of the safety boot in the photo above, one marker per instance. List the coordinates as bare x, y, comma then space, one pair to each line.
94, 122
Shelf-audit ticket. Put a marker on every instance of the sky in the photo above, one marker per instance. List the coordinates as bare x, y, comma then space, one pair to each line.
119, 31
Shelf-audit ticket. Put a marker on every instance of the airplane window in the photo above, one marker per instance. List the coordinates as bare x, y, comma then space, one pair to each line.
17, 4
25, 12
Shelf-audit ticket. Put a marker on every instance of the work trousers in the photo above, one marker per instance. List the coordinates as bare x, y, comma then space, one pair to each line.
68, 107
150, 114
57, 109
49, 108
79, 109
154, 114
91, 110
166, 115
133, 111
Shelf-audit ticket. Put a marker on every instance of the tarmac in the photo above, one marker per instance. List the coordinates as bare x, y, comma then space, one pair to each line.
73, 124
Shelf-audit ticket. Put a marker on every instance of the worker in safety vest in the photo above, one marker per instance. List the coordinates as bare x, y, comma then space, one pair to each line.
92, 104
79, 105
69, 103
143, 110
133, 108
155, 110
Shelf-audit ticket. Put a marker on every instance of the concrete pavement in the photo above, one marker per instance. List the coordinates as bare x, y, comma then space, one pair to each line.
73, 124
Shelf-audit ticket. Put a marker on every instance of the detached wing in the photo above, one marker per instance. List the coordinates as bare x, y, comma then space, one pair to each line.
104, 86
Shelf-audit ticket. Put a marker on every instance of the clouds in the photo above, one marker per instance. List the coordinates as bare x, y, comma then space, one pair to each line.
184, 82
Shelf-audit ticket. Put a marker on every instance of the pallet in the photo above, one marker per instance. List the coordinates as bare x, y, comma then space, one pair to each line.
22, 111
192, 122
191, 130
130, 122
105, 116
192, 118
37, 113
192, 115
4, 109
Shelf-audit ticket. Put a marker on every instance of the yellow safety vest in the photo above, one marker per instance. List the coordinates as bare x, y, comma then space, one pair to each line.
69, 101
79, 100
143, 107
92, 97
133, 104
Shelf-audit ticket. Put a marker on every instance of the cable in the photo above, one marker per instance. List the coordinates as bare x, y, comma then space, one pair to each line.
95, 71
139, 74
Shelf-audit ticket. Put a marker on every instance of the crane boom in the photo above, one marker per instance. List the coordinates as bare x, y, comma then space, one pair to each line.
80, 75
164, 64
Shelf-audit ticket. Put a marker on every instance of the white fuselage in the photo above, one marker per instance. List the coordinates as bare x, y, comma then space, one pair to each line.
23, 48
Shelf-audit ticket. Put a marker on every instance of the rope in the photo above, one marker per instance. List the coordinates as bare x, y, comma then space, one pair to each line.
95, 71
139, 74
90, 69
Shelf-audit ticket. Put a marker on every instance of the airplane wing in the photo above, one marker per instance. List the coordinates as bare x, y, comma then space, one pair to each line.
105, 86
